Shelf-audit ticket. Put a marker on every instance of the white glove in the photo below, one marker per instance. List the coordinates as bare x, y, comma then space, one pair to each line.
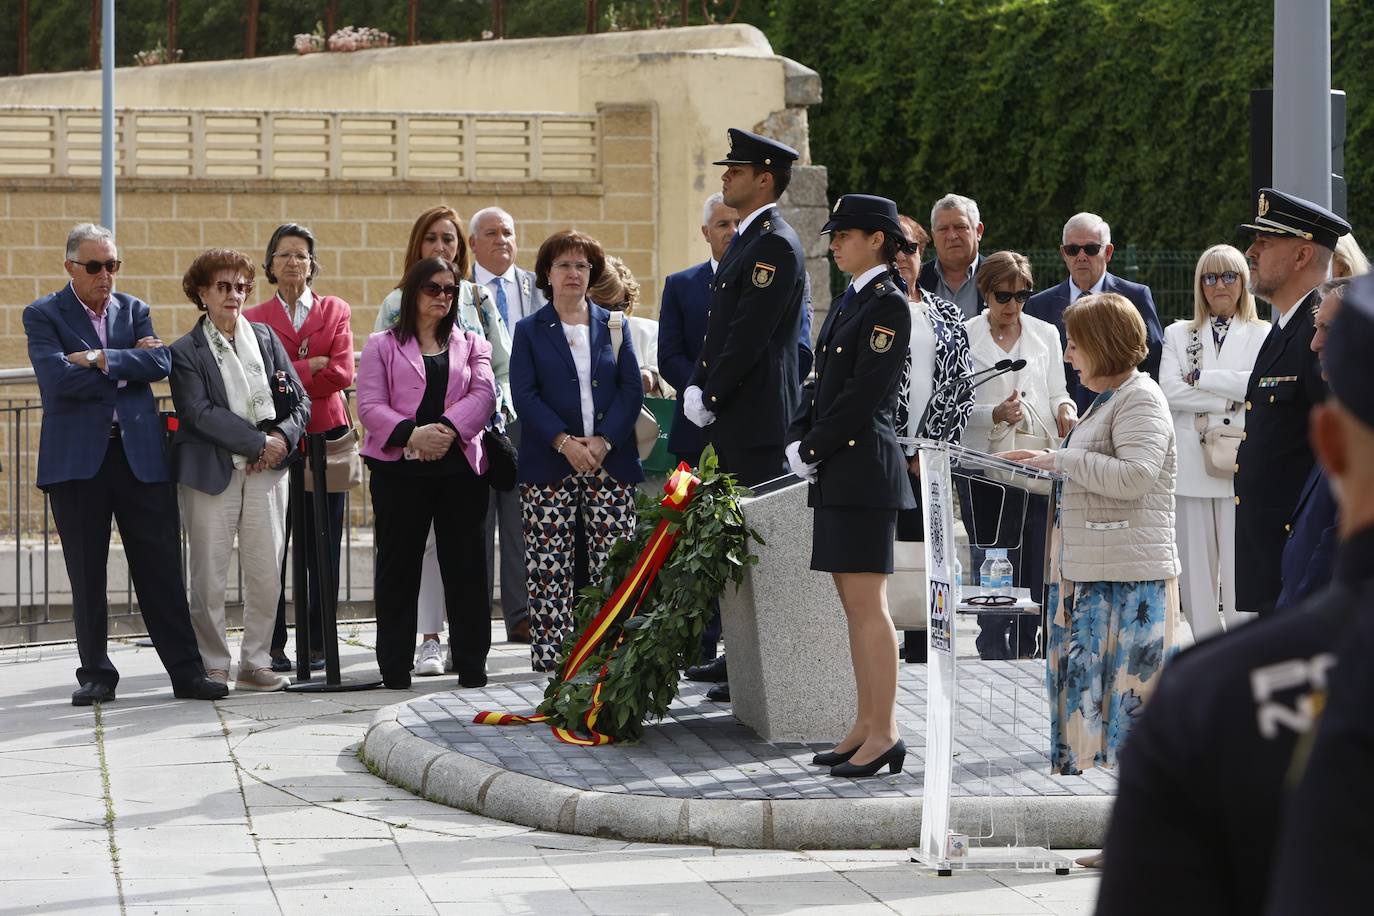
803, 470
694, 410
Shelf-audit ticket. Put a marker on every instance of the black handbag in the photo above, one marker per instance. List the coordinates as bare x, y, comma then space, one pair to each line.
286, 394
502, 460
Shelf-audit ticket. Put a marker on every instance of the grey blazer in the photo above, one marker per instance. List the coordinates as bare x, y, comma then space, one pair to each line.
208, 433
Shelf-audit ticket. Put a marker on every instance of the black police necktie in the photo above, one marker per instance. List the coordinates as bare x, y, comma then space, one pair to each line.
845, 299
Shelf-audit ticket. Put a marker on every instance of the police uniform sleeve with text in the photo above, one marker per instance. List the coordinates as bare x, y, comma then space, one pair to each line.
877, 368
756, 316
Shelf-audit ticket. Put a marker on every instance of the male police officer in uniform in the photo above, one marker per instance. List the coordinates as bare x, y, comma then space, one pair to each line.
1201, 777
746, 385
1289, 258
1322, 858
745, 388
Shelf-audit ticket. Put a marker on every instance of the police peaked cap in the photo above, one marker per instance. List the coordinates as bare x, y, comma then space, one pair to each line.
870, 213
1278, 213
752, 149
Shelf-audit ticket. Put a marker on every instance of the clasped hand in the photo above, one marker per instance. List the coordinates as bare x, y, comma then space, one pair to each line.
273, 453
585, 453
431, 441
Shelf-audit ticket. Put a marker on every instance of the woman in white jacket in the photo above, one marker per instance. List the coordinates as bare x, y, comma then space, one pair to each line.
1032, 399
1204, 373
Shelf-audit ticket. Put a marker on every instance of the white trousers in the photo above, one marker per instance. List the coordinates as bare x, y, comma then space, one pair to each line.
1206, 530
431, 614
253, 507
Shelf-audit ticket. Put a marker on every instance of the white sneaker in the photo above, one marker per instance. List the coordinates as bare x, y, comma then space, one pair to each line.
430, 660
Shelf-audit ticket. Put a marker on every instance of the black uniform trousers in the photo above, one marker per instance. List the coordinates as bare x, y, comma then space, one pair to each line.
150, 529
404, 505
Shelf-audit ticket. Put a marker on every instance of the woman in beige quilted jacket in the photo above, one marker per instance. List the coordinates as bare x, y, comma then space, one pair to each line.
1113, 596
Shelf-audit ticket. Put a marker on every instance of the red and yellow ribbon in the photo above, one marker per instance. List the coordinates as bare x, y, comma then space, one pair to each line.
679, 489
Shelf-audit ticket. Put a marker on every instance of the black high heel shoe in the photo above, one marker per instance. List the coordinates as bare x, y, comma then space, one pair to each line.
830, 758
893, 760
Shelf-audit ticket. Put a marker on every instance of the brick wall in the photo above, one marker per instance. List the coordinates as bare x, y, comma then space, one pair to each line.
361, 229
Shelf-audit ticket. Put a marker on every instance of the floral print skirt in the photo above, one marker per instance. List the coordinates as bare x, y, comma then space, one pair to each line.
1107, 643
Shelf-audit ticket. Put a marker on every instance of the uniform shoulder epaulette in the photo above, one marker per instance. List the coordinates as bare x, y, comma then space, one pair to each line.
766, 225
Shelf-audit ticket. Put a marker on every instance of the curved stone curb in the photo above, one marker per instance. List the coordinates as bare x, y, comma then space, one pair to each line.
458, 781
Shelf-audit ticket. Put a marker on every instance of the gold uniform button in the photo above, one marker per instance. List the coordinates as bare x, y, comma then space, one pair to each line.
1236, 469
593, 383
1237, 500
703, 362
1248, 405
822, 348
1288, 528
1271, 399
851, 442
713, 399
811, 451
839, 349
1244, 436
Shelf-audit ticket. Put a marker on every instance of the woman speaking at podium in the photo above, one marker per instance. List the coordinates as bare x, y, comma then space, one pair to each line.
846, 447
1113, 591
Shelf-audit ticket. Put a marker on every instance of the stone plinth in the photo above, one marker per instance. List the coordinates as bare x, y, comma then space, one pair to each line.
785, 632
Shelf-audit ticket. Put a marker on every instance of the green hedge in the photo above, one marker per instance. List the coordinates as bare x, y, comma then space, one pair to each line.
1138, 111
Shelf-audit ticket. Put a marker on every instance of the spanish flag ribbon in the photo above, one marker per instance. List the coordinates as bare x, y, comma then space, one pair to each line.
679, 489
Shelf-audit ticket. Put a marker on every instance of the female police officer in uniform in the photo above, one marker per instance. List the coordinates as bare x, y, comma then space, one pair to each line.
847, 448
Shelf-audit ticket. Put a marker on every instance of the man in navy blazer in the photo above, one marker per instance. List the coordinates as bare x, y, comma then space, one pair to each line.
100, 455
1086, 249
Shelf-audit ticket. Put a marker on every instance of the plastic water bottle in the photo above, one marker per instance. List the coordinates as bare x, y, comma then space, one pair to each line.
995, 574
958, 582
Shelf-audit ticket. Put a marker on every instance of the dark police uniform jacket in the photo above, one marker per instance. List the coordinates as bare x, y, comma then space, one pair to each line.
1202, 774
1312, 538
1275, 457
846, 423
747, 367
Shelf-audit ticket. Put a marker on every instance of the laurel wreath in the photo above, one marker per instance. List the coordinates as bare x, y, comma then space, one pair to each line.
639, 660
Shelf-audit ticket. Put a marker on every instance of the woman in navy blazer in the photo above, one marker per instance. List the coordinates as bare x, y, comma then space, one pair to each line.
425, 394
578, 461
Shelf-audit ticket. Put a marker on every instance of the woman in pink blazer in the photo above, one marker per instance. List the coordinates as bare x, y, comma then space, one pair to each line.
317, 333
425, 393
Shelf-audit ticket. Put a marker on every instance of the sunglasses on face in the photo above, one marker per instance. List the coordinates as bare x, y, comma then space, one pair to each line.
95, 267
1021, 295
1091, 249
1227, 277
437, 291
225, 288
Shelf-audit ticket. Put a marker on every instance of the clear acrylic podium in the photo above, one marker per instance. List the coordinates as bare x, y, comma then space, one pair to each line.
943, 847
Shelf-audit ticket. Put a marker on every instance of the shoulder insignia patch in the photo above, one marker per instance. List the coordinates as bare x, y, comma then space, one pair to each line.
880, 341
762, 274
767, 225
880, 289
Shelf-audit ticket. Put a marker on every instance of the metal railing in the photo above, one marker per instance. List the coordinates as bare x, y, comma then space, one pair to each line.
34, 593
60, 142
1168, 274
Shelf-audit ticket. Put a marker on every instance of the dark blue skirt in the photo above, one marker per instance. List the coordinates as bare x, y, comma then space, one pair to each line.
848, 539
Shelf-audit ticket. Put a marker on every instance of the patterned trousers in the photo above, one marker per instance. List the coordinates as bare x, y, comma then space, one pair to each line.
606, 510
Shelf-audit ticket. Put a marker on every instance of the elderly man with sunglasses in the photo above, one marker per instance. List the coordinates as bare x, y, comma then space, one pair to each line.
100, 456
1086, 249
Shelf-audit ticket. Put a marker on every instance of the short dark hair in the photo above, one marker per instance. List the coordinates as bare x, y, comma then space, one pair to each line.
282, 232
782, 177
561, 243
422, 224
407, 321
202, 271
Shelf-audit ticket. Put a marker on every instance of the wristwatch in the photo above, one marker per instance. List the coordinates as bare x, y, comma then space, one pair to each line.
92, 358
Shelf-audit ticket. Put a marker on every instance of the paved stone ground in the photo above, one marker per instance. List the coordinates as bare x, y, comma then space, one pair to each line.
258, 804
701, 751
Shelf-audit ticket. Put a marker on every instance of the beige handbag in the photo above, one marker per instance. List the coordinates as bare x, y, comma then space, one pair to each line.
907, 586
1221, 444
343, 467
1032, 434
646, 426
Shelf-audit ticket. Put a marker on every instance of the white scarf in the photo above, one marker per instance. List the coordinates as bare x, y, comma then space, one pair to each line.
245, 379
